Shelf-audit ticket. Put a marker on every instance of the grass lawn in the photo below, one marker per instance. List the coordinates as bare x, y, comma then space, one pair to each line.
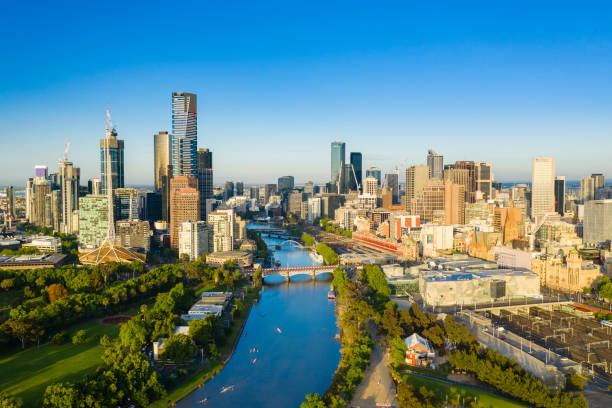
26, 373
484, 398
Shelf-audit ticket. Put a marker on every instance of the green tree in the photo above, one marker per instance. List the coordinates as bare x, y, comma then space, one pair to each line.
203, 330
307, 239
258, 277
62, 395
313, 401
7, 284
6, 401
179, 348
105, 341
133, 334
575, 382
20, 329
80, 337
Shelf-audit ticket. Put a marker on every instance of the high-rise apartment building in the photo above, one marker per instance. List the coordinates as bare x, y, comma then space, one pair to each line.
269, 191
93, 220
115, 150
376, 173
417, 178
370, 186
454, 203
161, 151
459, 176
193, 239
69, 187
314, 209
30, 200
435, 162
295, 203
205, 179
41, 171
484, 179
392, 183
309, 188
286, 183
542, 187
337, 162
184, 204
597, 223
184, 140
357, 167
222, 229
42, 204
255, 193
10, 201
560, 195
239, 188
591, 186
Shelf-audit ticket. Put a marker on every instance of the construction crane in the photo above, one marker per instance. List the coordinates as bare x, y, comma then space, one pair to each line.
65, 159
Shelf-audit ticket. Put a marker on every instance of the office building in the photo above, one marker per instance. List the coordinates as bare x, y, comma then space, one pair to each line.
205, 179
43, 215
29, 203
93, 220
193, 239
356, 165
116, 165
239, 188
560, 195
221, 223
69, 186
470, 191
591, 186
330, 203
430, 201
255, 193
269, 191
184, 204
435, 162
184, 140
10, 201
41, 171
345, 178
454, 203
94, 186
286, 183
134, 234
153, 206
542, 187
597, 223
161, 161
228, 192
376, 173
337, 162
392, 183
126, 204
295, 203
484, 180
309, 188
417, 178
458, 176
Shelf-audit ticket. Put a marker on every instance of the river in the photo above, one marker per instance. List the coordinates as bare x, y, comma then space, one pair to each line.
286, 366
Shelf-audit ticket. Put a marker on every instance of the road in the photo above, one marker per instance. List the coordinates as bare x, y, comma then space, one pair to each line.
377, 385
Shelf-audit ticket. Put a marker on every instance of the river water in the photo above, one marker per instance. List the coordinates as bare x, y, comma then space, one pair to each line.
285, 366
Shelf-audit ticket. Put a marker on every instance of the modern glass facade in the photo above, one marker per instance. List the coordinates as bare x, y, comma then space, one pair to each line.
376, 173
184, 143
356, 162
337, 161
93, 220
116, 161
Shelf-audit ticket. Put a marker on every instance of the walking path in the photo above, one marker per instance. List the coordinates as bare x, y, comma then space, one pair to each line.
377, 385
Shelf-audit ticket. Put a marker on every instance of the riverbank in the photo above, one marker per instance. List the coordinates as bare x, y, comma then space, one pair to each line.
215, 365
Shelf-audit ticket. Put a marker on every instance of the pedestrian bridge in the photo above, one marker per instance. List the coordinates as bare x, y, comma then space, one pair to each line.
313, 271
291, 243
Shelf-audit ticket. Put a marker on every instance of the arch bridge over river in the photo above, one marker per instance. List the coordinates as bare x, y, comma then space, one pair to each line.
288, 272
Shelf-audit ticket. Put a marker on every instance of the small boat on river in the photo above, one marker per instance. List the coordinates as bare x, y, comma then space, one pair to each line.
279, 330
331, 295
226, 389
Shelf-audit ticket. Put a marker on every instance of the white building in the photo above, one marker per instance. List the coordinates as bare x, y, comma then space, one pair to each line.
193, 239
367, 202
46, 244
314, 209
436, 238
370, 186
222, 224
542, 187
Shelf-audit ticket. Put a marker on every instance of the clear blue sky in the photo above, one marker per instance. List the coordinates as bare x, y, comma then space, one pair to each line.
278, 81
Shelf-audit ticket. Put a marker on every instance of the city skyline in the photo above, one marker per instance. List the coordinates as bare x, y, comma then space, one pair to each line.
538, 79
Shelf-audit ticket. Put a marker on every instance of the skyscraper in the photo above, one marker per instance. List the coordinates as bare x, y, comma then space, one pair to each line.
184, 204
454, 203
161, 147
542, 187
435, 162
193, 239
376, 173
417, 178
41, 171
286, 183
484, 179
239, 188
356, 163
370, 186
125, 204
205, 179
560, 195
69, 187
392, 183
470, 191
115, 150
93, 220
229, 190
183, 146
94, 186
337, 161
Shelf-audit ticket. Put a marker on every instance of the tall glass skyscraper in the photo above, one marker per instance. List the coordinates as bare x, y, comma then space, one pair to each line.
115, 147
337, 161
184, 145
357, 166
